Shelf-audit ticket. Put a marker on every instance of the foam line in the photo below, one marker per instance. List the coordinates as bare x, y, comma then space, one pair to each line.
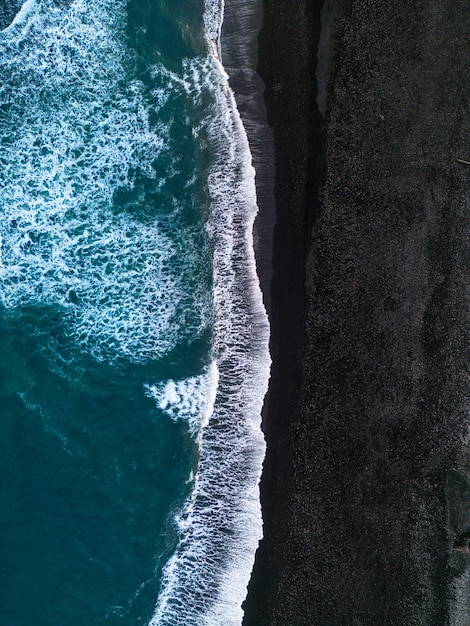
191, 399
205, 581
21, 17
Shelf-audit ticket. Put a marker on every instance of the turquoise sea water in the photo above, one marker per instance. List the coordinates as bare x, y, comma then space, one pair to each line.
134, 343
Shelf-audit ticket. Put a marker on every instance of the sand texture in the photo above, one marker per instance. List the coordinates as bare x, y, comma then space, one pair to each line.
366, 489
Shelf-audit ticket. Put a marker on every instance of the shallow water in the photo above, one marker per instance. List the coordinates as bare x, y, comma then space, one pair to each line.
131, 319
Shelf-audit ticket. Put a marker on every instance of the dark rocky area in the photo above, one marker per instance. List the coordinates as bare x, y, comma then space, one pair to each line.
366, 485
385, 393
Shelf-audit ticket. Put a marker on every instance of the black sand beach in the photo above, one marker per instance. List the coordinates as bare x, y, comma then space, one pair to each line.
366, 483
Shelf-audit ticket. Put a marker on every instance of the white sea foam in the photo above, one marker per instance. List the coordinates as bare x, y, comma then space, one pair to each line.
76, 132
205, 581
26, 9
213, 18
191, 399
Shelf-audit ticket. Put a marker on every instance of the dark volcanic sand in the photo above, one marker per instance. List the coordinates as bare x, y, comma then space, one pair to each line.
366, 486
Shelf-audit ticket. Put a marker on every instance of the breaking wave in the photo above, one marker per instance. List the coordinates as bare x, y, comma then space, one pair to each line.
84, 230
205, 581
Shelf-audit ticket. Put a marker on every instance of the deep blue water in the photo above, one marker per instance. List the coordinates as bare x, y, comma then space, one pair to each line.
134, 344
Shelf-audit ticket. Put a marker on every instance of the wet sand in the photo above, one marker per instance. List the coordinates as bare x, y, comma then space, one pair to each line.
366, 484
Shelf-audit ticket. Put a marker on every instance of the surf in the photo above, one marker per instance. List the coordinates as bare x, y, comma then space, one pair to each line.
136, 254
84, 138
205, 581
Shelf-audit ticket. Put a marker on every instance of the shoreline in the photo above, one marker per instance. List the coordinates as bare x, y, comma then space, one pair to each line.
281, 234
239, 57
8, 10
220, 524
365, 416
287, 46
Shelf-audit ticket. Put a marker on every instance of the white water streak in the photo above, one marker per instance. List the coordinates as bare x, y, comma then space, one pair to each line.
205, 581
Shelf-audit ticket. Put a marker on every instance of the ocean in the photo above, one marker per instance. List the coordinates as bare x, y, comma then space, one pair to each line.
134, 356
